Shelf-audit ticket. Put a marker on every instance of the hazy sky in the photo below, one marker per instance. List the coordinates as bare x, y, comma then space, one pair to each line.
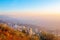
30, 6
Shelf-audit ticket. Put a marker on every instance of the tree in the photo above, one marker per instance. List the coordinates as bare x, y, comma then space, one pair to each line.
46, 36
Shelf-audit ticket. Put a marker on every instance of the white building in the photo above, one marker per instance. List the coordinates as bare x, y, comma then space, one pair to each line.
30, 31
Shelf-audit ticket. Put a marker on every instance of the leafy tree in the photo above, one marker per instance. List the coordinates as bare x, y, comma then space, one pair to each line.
46, 36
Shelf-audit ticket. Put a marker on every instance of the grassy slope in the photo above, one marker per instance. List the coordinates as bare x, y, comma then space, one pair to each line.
7, 33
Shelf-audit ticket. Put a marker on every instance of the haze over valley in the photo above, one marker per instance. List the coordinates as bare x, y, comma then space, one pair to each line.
48, 23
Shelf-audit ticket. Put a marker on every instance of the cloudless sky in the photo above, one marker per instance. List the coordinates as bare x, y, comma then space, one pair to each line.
29, 5
16, 5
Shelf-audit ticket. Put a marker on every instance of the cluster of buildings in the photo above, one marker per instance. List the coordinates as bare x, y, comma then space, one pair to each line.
25, 29
28, 30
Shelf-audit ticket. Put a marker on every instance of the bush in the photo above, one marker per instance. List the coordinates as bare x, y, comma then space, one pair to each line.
47, 36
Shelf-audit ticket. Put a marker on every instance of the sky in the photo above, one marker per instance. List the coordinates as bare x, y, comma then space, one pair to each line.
30, 6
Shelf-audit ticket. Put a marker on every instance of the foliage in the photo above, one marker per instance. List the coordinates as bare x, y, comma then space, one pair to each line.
7, 33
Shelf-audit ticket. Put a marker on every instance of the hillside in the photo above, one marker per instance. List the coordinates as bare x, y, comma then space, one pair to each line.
8, 33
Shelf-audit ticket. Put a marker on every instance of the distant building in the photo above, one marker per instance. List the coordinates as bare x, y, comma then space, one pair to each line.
15, 26
30, 31
36, 30
11, 25
19, 28
24, 29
